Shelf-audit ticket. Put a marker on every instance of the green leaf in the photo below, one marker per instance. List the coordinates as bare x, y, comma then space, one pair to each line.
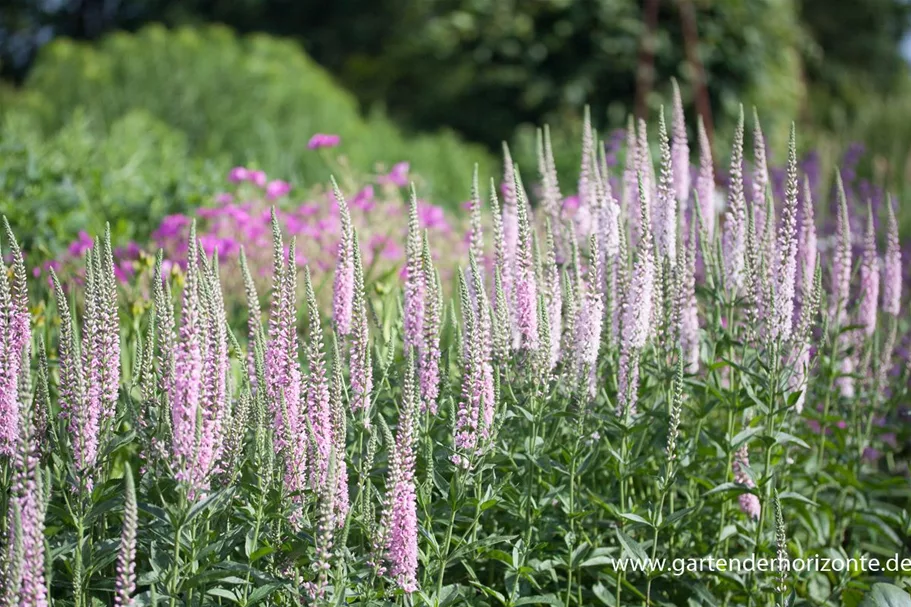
743, 436
597, 561
541, 599
783, 438
726, 488
796, 497
261, 593
886, 595
631, 546
210, 501
635, 518
224, 593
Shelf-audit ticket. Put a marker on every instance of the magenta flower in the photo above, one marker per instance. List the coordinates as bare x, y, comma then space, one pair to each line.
171, 227
277, 188
432, 217
258, 178
398, 176
82, 244
364, 200
322, 140
224, 198
238, 174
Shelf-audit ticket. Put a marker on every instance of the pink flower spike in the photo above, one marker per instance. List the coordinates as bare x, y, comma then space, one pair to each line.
277, 188
892, 267
322, 140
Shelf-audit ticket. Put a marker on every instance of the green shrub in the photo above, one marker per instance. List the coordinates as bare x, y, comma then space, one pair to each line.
252, 99
69, 181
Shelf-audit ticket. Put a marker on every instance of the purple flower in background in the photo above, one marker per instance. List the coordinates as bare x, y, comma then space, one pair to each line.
323, 140
431, 216
398, 176
238, 174
364, 200
277, 188
258, 178
81, 244
224, 198
171, 226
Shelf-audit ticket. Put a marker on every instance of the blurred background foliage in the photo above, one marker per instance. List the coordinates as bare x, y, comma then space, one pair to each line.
417, 80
